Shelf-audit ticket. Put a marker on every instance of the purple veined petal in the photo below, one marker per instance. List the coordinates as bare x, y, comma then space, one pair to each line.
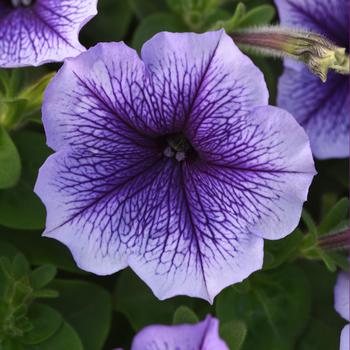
105, 83
258, 170
342, 295
46, 31
327, 17
321, 108
193, 72
201, 336
140, 217
116, 197
144, 96
93, 195
344, 338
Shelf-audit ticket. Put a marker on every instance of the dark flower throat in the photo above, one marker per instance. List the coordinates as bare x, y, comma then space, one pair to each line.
178, 147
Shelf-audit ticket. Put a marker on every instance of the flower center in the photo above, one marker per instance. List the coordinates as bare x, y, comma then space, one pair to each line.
21, 3
178, 147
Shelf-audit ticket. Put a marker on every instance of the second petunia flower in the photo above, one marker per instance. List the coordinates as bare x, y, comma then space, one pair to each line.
34, 32
173, 165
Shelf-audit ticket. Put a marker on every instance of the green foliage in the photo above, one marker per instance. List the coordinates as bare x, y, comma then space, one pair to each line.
137, 302
65, 338
184, 314
21, 97
234, 333
242, 18
155, 23
324, 326
336, 217
22, 319
274, 305
144, 8
85, 306
317, 243
40, 250
77, 314
112, 26
260, 15
10, 162
282, 250
19, 206
45, 322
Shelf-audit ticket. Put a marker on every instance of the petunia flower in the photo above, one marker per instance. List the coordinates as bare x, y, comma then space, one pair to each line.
173, 165
321, 108
201, 336
34, 32
341, 303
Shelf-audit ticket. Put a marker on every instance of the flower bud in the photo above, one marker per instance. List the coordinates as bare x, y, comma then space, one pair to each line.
316, 51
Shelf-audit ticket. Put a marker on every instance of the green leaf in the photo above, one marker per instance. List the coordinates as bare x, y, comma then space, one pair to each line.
40, 250
230, 24
325, 325
111, 26
234, 334
42, 276
136, 301
17, 77
45, 293
335, 216
20, 266
19, 206
319, 336
277, 252
275, 306
258, 16
7, 254
65, 338
10, 162
310, 223
13, 112
34, 93
87, 307
45, 320
8, 250
144, 8
184, 314
4, 80
156, 23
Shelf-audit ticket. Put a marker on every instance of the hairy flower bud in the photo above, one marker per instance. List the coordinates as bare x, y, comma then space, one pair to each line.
316, 51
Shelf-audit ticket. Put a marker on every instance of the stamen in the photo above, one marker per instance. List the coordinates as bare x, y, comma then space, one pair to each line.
180, 156
18, 3
168, 152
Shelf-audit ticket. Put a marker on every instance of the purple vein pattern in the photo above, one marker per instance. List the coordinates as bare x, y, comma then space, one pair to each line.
201, 336
341, 302
321, 108
173, 165
43, 31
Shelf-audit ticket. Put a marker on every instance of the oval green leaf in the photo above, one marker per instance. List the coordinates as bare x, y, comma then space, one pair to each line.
10, 162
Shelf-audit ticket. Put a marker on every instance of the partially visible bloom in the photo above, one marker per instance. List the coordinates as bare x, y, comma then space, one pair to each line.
173, 164
201, 336
34, 32
341, 304
321, 108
